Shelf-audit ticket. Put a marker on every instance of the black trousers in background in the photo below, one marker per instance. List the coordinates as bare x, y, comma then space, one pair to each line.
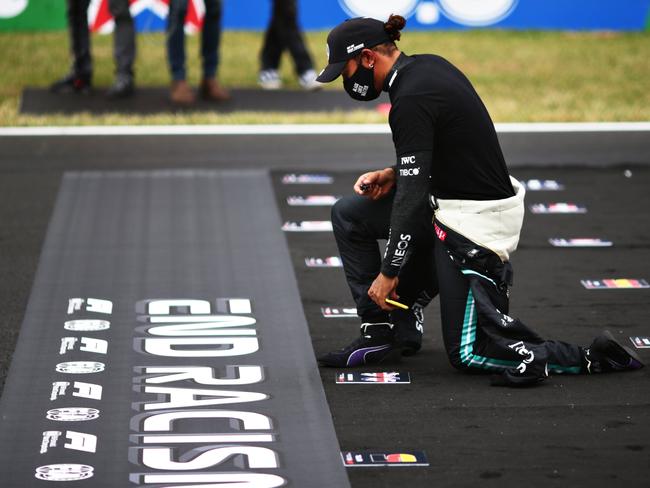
477, 333
123, 37
283, 33
210, 38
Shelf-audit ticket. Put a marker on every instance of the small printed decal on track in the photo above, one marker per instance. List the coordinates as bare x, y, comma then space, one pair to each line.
557, 208
615, 284
384, 458
580, 242
373, 378
307, 179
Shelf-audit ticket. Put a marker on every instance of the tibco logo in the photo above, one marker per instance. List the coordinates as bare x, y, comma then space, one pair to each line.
409, 171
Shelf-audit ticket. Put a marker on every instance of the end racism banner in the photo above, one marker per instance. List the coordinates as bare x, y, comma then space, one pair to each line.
150, 15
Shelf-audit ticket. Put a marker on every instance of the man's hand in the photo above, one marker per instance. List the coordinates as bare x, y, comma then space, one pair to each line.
383, 287
376, 184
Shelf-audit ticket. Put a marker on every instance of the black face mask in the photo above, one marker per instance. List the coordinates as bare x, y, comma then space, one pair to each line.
361, 85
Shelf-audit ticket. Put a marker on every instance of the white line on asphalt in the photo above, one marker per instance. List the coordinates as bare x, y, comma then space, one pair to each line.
304, 129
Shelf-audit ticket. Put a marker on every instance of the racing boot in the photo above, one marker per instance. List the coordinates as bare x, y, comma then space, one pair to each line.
375, 345
408, 328
607, 355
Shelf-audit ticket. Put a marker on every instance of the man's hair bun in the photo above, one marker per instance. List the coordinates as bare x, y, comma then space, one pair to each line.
393, 27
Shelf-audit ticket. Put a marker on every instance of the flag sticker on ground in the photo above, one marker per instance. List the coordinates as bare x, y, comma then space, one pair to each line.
312, 201
308, 226
373, 378
617, 283
579, 242
641, 342
307, 179
332, 313
557, 208
543, 185
328, 262
386, 458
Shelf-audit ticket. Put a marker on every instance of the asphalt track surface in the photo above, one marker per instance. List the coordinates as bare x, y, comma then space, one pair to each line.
571, 431
38, 101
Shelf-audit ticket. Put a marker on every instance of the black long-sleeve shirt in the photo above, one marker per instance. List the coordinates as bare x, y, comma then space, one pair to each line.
446, 146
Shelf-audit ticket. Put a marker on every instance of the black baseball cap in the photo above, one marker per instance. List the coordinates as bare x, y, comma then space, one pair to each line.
346, 40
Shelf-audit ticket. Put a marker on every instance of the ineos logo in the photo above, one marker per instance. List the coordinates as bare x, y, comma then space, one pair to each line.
400, 252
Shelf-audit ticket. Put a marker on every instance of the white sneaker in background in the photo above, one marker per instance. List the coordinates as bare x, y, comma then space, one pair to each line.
308, 81
269, 79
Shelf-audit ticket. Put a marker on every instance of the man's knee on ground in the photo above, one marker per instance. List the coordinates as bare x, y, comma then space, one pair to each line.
456, 362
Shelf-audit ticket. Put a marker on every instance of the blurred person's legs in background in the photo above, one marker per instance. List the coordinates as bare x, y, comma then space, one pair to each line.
180, 90
210, 42
283, 33
79, 79
123, 49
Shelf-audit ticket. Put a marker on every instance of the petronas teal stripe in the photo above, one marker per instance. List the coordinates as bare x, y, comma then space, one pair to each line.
469, 271
556, 368
469, 336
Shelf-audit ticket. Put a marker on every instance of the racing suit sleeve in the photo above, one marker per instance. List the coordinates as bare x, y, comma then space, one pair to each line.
412, 128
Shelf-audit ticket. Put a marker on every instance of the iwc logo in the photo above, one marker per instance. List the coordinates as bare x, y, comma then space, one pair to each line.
72, 414
464, 12
64, 472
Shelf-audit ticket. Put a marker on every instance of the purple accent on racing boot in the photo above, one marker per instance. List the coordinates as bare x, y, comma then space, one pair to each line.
358, 357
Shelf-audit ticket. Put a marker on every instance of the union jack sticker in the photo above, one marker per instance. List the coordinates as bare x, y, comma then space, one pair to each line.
373, 378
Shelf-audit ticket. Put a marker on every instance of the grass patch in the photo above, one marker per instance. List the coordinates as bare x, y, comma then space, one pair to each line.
522, 76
